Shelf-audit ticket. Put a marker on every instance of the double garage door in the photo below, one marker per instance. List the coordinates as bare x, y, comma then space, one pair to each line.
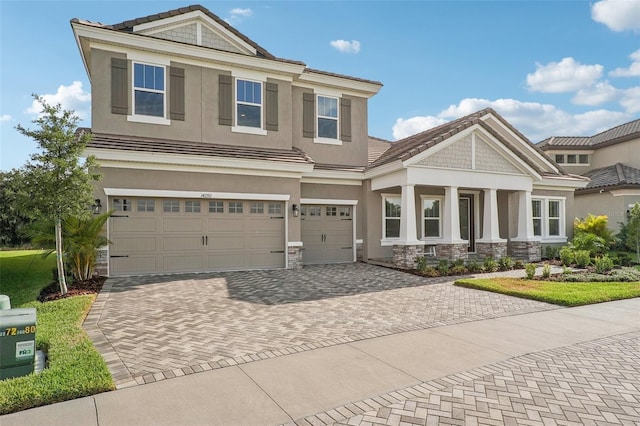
166, 235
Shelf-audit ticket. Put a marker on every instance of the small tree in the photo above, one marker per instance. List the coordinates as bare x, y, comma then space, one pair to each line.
12, 220
633, 230
57, 182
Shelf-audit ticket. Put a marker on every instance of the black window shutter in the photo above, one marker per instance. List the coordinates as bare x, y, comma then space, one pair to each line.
225, 100
272, 107
345, 120
308, 115
176, 93
119, 86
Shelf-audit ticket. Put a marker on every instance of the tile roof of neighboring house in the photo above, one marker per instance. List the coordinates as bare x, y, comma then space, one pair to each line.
621, 133
413, 145
338, 167
612, 176
164, 146
377, 147
127, 26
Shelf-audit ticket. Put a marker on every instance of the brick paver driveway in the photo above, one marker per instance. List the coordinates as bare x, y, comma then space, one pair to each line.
163, 326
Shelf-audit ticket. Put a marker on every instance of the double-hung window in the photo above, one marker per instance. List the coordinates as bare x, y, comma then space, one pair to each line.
391, 219
548, 218
149, 89
431, 217
248, 103
327, 117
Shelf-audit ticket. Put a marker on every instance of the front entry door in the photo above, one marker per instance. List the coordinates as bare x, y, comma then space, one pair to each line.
467, 225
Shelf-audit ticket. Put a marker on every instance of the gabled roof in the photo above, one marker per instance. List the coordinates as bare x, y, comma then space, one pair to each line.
613, 176
621, 133
413, 145
164, 146
376, 148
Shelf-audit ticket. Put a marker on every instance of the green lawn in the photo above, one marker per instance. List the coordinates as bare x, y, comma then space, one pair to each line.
559, 293
75, 368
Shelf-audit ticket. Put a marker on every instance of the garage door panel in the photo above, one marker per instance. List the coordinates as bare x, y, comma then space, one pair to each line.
265, 259
171, 243
225, 243
269, 242
133, 224
182, 224
225, 224
185, 262
225, 261
265, 224
133, 265
133, 244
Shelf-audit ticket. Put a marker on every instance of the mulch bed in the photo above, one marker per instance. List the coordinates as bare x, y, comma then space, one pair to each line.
90, 286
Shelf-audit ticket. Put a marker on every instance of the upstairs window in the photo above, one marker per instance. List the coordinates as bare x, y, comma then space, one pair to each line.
149, 89
327, 117
249, 103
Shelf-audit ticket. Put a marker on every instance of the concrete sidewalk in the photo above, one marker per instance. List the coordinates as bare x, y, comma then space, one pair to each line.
342, 383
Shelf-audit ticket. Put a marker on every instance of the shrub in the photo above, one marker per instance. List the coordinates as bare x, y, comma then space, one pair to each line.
583, 258
594, 225
430, 271
551, 252
567, 257
603, 264
421, 263
490, 264
616, 275
596, 246
546, 271
519, 264
506, 264
443, 267
530, 270
474, 267
623, 259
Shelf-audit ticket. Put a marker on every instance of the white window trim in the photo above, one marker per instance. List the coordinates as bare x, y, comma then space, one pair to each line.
388, 241
327, 141
247, 129
545, 237
149, 119
577, 163
423, 218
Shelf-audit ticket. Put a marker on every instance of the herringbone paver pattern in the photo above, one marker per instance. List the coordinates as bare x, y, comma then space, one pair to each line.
153, 328
590, 383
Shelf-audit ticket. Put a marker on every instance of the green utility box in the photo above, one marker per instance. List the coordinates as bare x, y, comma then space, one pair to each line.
17, 342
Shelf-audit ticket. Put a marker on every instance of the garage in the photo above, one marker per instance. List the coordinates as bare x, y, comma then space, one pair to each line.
171, 235
327, 233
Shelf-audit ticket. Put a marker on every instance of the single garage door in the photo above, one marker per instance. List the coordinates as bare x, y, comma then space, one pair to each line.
164, 235
327, 234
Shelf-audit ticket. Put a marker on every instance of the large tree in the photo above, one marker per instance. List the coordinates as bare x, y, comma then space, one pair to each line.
12, 219
57, 180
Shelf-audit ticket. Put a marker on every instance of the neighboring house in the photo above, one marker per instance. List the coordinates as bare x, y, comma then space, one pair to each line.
216, 155
611, 160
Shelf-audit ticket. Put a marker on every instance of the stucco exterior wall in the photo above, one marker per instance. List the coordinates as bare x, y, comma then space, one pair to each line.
605, 204
627, 153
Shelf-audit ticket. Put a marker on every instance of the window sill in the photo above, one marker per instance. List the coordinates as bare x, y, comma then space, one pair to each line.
551, 240
148, 119
249, 130
388, 242
327, 141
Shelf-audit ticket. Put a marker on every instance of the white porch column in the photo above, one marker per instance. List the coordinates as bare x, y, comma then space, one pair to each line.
408, 231
525, 218
451, 216
490, 225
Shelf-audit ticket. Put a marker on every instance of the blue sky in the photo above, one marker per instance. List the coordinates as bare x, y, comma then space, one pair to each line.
549, 67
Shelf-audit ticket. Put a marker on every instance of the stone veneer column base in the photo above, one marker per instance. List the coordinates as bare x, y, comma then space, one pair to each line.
452, 251
404, 257
101, 267
294, 257
526, 250
496, 250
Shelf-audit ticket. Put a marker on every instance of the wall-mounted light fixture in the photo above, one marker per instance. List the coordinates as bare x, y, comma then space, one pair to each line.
296, 210
97, 206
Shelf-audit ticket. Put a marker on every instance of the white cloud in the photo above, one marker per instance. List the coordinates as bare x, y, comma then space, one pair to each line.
535, 120
631, 100
238, 14
413, 125
72, 97
632, 71
618, 15
598, 94
564, 76
5, 118
345, 46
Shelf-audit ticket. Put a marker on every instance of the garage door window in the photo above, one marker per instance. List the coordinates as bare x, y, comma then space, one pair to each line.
314, 211
275, 208
216, 207
192, 206
345, 211
122, 204
146, 205
332, 211
257, 208
235, 206
171, 206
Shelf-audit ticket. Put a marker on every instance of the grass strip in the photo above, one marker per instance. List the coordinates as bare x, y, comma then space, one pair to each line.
558, 293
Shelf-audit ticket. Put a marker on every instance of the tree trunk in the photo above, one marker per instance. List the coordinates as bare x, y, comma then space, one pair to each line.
60, 262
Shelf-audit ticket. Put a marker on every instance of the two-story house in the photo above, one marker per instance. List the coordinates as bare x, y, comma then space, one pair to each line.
217, 155
611, 160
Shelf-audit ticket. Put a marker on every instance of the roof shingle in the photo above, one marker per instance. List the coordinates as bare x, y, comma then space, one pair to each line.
611, 176
615, 135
